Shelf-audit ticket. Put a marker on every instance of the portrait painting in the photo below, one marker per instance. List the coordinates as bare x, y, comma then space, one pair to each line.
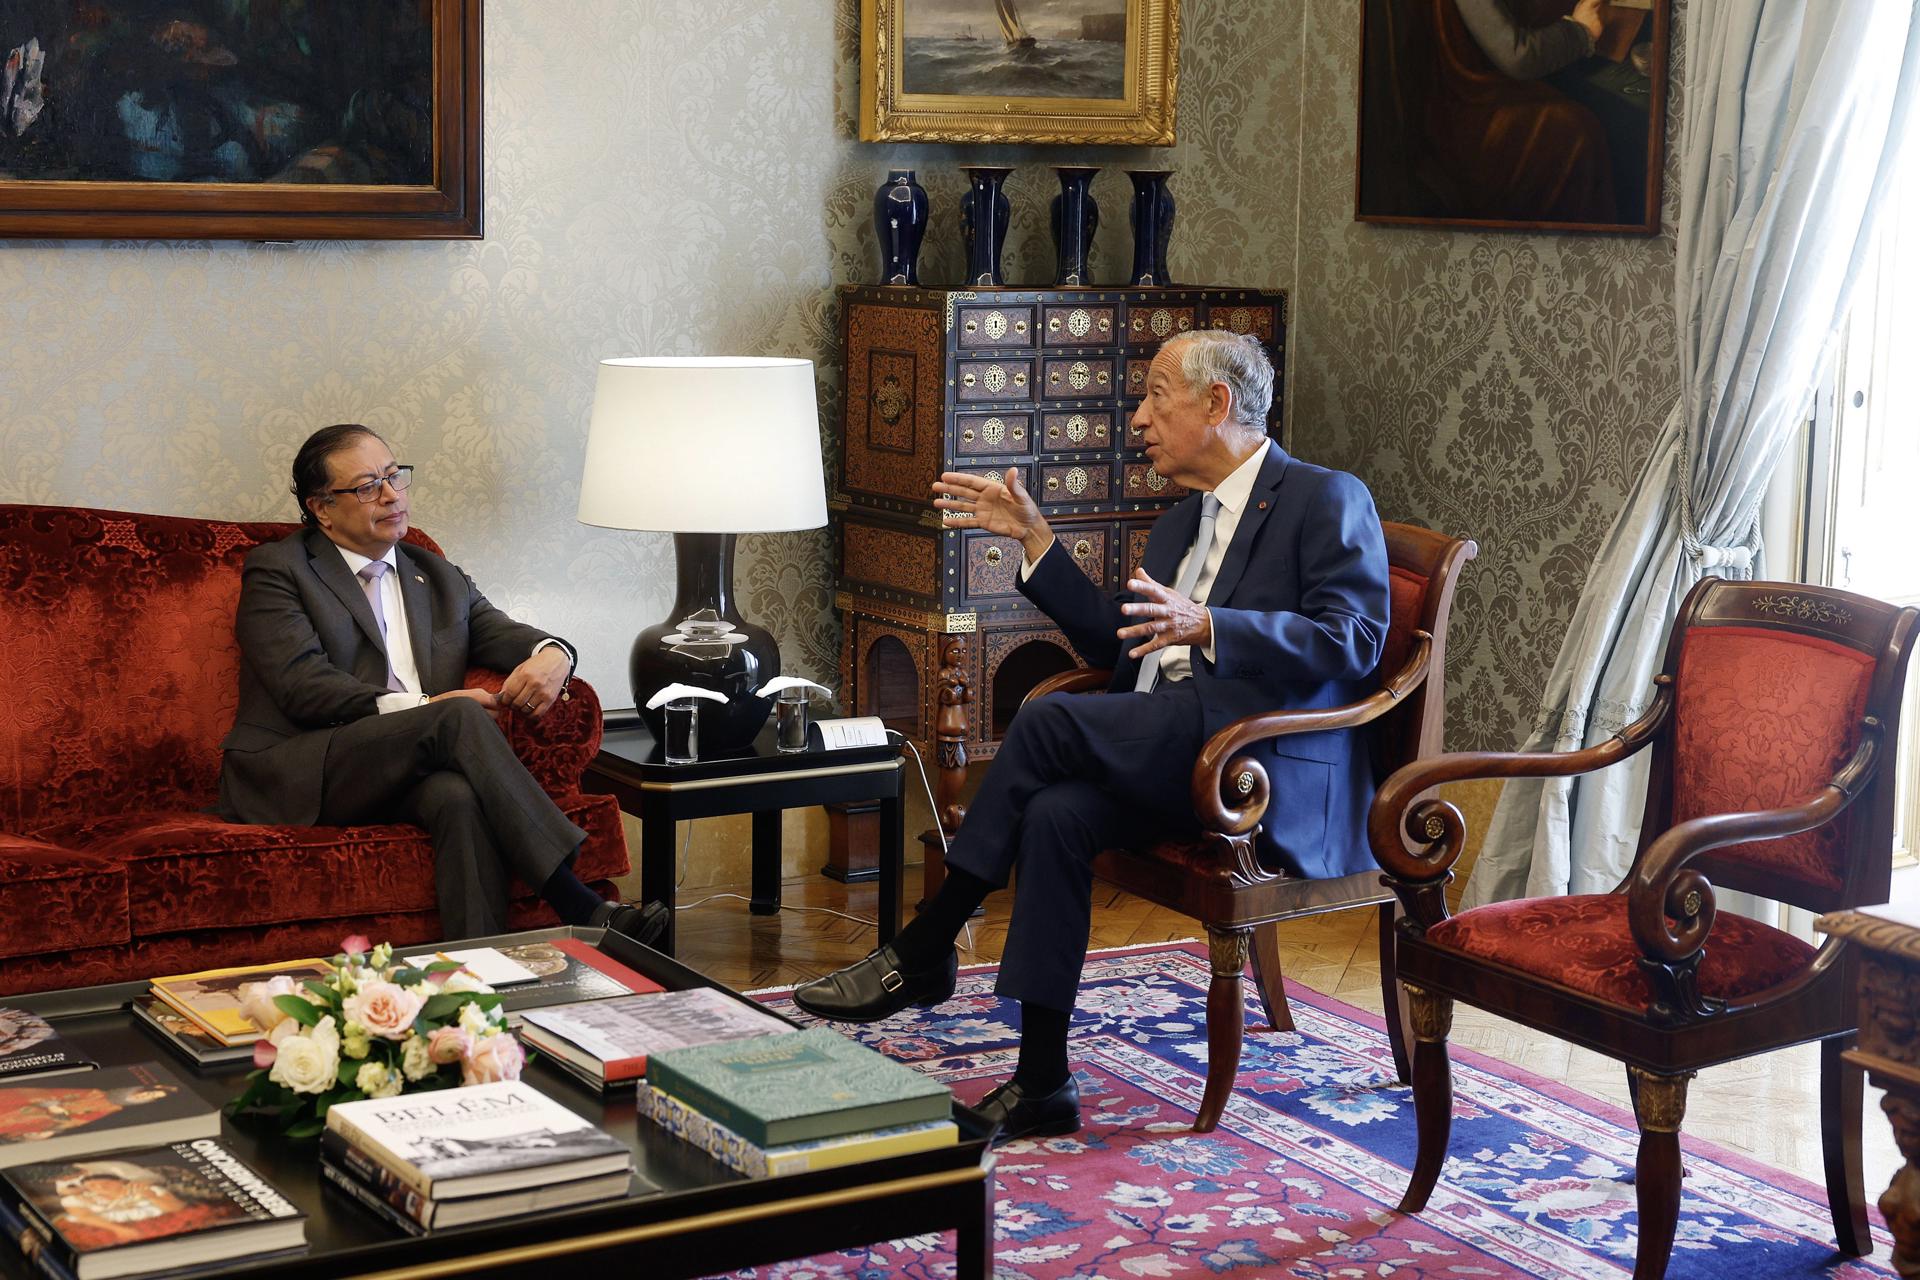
1084, 71
272, 119
1524, 114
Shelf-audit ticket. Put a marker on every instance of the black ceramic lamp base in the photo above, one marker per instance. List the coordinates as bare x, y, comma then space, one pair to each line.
667, 653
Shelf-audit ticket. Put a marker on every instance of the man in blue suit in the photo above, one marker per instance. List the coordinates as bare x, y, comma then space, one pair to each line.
1279, 600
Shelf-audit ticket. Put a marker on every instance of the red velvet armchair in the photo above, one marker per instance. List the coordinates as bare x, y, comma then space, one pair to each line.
116, 633
1772, 731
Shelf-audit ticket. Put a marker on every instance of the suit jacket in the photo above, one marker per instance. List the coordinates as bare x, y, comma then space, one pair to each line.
312, 659
1300, 610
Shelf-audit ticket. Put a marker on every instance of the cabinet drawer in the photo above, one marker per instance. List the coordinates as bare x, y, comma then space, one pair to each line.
1070, 379
1139, 481
1133, 548
999, 473
1080, 429
1137, 369
992, 433
1078, 326
1075, 482
1149, 324
1237, 317
992, 565
1089, 544
995, 326
978, 380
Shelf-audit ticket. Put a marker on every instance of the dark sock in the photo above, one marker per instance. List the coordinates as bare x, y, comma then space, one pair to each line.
569, 896
926, 939
1043, 1049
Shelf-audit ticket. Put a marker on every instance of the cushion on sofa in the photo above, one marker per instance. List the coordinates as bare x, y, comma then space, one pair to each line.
57, 899
188, 871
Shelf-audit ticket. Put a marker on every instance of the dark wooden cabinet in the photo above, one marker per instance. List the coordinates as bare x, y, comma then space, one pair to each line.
937, 641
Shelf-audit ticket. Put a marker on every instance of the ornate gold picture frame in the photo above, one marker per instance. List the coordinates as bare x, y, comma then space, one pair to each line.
1100, 72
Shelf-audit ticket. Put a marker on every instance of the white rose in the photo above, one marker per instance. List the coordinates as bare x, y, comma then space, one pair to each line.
416, 1059
377, 1080
461, 982
309, 1063
474, 1020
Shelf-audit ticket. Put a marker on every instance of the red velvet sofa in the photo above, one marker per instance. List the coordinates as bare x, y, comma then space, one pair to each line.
118, 678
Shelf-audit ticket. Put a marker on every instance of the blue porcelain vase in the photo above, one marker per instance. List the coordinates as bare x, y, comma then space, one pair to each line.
1075, 217
900, 222
1152, 225
984, 215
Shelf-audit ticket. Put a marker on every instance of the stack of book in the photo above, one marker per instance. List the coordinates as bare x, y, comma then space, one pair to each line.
796, 1101
458, 1156
606, 1043
197, 1015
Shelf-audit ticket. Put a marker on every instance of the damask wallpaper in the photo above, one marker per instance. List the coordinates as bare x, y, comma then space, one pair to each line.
680, 177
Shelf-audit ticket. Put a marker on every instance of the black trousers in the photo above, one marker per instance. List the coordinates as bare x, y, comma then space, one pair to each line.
1075, 774
447, 767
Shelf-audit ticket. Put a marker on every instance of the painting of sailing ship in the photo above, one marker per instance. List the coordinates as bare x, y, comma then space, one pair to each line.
1016, 48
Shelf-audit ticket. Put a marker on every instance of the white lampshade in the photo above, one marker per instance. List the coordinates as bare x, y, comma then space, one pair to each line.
704, 444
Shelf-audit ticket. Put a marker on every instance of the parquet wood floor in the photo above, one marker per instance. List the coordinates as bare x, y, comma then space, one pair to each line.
1765, 1107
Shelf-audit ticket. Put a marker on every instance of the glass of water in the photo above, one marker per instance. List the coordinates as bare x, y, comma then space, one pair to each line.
682, 745
790, 719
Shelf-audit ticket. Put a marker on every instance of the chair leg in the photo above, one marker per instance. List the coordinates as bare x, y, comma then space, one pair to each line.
1660, 1103
1225, 1021
1393, 1002
1267, 980
1840, 1105
1431, 1015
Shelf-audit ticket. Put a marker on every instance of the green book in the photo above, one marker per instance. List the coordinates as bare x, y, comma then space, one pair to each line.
797, 1086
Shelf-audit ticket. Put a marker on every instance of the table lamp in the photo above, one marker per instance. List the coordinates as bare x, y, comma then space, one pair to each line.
704, 448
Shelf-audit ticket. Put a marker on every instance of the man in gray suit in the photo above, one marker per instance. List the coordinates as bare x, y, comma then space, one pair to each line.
354, 646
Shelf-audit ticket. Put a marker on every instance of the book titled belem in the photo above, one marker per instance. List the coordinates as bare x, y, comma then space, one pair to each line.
68, 1116
29, 1046
355, 1173
477, 1140
734, 1151
153, 1209
795, 1087
611, 1039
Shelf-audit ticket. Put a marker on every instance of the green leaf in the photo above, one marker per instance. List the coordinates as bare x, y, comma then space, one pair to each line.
305, 1129
299, 1010
409, 977
329, 998
349, 1068
444, 1007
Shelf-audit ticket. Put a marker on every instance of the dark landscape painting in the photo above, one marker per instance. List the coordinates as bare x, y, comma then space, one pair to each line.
217, 91
1015, 48
1502, 113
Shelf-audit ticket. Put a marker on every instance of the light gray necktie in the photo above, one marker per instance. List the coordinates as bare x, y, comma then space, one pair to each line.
1202, 545
370, 582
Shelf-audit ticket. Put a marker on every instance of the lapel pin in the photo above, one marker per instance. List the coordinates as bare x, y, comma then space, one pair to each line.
1263, 506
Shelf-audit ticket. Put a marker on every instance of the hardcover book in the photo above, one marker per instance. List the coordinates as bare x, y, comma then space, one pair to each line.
734, 1151
153, 1209
212, 997
379, 1190
62, 1119
478, 1140
183, 1035
799, 1086
569, 971
29, 1046
610, 1040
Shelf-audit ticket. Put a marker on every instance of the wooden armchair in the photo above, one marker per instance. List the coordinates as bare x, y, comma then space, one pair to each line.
1216, 877
1773, 729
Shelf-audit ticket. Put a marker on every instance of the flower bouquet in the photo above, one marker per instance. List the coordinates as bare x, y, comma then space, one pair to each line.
372, 1030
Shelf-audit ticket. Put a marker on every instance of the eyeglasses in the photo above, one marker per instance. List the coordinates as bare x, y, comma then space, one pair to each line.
400, 477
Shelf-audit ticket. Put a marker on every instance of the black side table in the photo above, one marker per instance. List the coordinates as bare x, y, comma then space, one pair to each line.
760, 781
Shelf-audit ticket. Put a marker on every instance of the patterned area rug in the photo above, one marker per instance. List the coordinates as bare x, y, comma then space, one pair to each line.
1301, 1176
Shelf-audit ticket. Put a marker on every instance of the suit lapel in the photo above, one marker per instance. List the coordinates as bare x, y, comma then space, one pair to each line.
1261, 503
419, 608
331, 568
1172, 535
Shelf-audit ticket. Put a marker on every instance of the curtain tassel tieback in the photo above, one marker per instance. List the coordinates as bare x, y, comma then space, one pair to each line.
1738, 559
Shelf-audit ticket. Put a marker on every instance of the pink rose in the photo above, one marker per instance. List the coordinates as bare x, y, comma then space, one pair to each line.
385, 1009
491, 1059
448, 1044
256, 1001
355, 944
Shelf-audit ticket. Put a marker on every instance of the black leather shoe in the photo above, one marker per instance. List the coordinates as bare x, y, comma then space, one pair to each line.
645, 924
877, 988
1020, 1115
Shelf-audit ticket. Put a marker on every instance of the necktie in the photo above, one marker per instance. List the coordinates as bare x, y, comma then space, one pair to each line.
1202, 544
370, 582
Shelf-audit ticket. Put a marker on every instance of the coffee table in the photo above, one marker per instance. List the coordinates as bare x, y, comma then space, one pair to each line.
685, 1216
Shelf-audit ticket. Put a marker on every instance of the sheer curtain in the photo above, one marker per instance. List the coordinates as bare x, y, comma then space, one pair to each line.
1794, 115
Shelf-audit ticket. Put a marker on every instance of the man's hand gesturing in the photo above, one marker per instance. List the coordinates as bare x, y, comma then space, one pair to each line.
1002, 507
1170, 618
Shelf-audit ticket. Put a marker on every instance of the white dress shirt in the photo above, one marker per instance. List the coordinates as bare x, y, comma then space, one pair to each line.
1234, 492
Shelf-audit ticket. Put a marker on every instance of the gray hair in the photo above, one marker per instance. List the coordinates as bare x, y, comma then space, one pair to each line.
1207, 356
